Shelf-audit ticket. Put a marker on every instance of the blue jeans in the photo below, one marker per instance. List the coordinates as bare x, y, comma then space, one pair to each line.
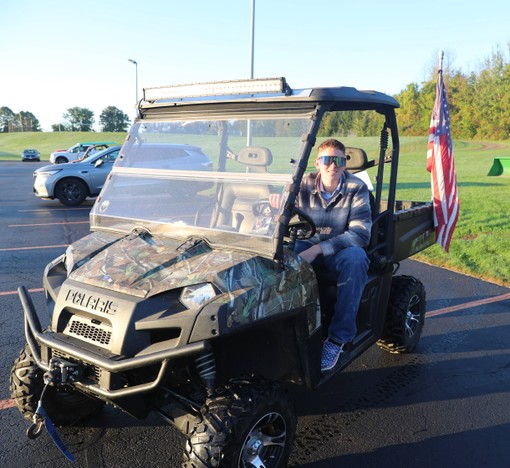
351, 267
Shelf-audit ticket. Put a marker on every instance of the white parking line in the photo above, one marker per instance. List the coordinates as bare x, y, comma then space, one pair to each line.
11, 293
4, 404
47, 224
58, 246
467, 305
53, 209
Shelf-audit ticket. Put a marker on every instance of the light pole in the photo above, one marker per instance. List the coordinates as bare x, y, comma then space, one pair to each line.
252, 47
252, 37
136, 79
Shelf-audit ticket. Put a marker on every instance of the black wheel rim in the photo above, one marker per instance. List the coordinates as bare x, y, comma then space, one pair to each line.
71, 192
265, 443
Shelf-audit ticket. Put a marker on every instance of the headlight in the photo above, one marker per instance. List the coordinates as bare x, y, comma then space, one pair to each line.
197, 295
69, 260
47, 173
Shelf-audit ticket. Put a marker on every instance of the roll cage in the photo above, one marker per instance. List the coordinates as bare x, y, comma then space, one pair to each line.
202, 99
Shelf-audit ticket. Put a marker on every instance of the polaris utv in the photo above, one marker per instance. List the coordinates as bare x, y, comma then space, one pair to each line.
187, 298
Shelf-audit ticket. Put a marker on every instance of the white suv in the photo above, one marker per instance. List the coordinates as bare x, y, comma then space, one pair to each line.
77, 151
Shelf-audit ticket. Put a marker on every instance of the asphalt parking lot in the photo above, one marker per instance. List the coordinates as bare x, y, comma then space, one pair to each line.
444, 405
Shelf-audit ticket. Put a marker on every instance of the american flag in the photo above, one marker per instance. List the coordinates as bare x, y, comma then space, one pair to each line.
441, 166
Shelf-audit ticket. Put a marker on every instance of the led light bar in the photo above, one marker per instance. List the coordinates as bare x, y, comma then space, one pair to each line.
217, 88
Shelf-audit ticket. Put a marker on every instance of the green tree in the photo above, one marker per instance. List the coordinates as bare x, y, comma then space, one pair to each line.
59, 127
409, 109
336, 124
492, 90
28, 122
426, 101
113, 120
79, 119
460, 103
366, 123
479, 103
22, 121
6, 118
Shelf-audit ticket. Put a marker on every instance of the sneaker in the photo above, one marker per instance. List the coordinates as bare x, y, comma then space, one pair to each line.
330, 354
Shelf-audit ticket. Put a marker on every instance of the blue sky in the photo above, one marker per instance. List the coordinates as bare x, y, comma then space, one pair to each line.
57, 54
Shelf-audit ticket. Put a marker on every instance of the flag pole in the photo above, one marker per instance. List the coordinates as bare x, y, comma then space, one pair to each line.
441, 55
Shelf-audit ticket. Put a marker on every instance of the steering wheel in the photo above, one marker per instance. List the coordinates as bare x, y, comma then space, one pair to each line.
263, 208
302, 228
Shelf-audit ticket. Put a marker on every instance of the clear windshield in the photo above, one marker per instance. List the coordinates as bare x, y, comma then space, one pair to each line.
203, 178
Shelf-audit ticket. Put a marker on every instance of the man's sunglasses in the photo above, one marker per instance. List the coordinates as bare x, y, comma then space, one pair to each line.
338, 160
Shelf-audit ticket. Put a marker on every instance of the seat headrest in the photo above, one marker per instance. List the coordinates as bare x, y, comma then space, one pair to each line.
357, 159
255, 156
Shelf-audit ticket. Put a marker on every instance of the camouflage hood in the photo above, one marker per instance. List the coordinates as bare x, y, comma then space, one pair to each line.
142, 265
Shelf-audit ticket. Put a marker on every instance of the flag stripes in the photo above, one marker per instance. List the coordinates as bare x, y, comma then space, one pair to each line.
440, 164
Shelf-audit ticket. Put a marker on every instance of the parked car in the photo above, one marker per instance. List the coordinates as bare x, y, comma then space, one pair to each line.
30, 155
73, 182
76, 151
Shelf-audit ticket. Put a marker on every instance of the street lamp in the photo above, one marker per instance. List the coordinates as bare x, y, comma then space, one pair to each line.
136, 79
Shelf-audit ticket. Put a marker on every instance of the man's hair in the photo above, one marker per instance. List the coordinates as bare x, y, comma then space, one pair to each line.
332, 143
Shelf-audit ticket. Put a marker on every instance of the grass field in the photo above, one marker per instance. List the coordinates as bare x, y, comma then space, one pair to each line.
481, 243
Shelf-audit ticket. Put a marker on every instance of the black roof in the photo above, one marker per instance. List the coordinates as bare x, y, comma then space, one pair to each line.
347, 94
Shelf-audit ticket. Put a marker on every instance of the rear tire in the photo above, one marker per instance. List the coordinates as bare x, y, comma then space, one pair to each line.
250, 424
405, 317
71, 192
65, 405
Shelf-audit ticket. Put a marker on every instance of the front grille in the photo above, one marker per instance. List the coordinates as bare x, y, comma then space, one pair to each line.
90, 332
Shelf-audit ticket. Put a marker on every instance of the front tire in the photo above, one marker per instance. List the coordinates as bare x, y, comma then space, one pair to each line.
405, 317
71, 192
65, 405
250, 424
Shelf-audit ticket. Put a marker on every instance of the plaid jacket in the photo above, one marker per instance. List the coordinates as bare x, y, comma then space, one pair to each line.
343, 221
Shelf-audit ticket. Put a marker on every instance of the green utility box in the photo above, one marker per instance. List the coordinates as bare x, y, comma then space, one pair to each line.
500, 166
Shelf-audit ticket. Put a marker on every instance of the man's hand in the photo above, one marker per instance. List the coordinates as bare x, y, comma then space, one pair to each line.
309, 255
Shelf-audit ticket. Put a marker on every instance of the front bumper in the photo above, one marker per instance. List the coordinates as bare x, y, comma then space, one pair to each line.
43, 187
36, 339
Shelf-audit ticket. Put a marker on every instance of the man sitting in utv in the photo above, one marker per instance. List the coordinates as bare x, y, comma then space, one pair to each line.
338, 202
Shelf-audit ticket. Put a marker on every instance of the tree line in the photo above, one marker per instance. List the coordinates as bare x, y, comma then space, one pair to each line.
75, 119
478, 102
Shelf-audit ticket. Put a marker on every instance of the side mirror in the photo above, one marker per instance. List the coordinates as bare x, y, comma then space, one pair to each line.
99, 163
